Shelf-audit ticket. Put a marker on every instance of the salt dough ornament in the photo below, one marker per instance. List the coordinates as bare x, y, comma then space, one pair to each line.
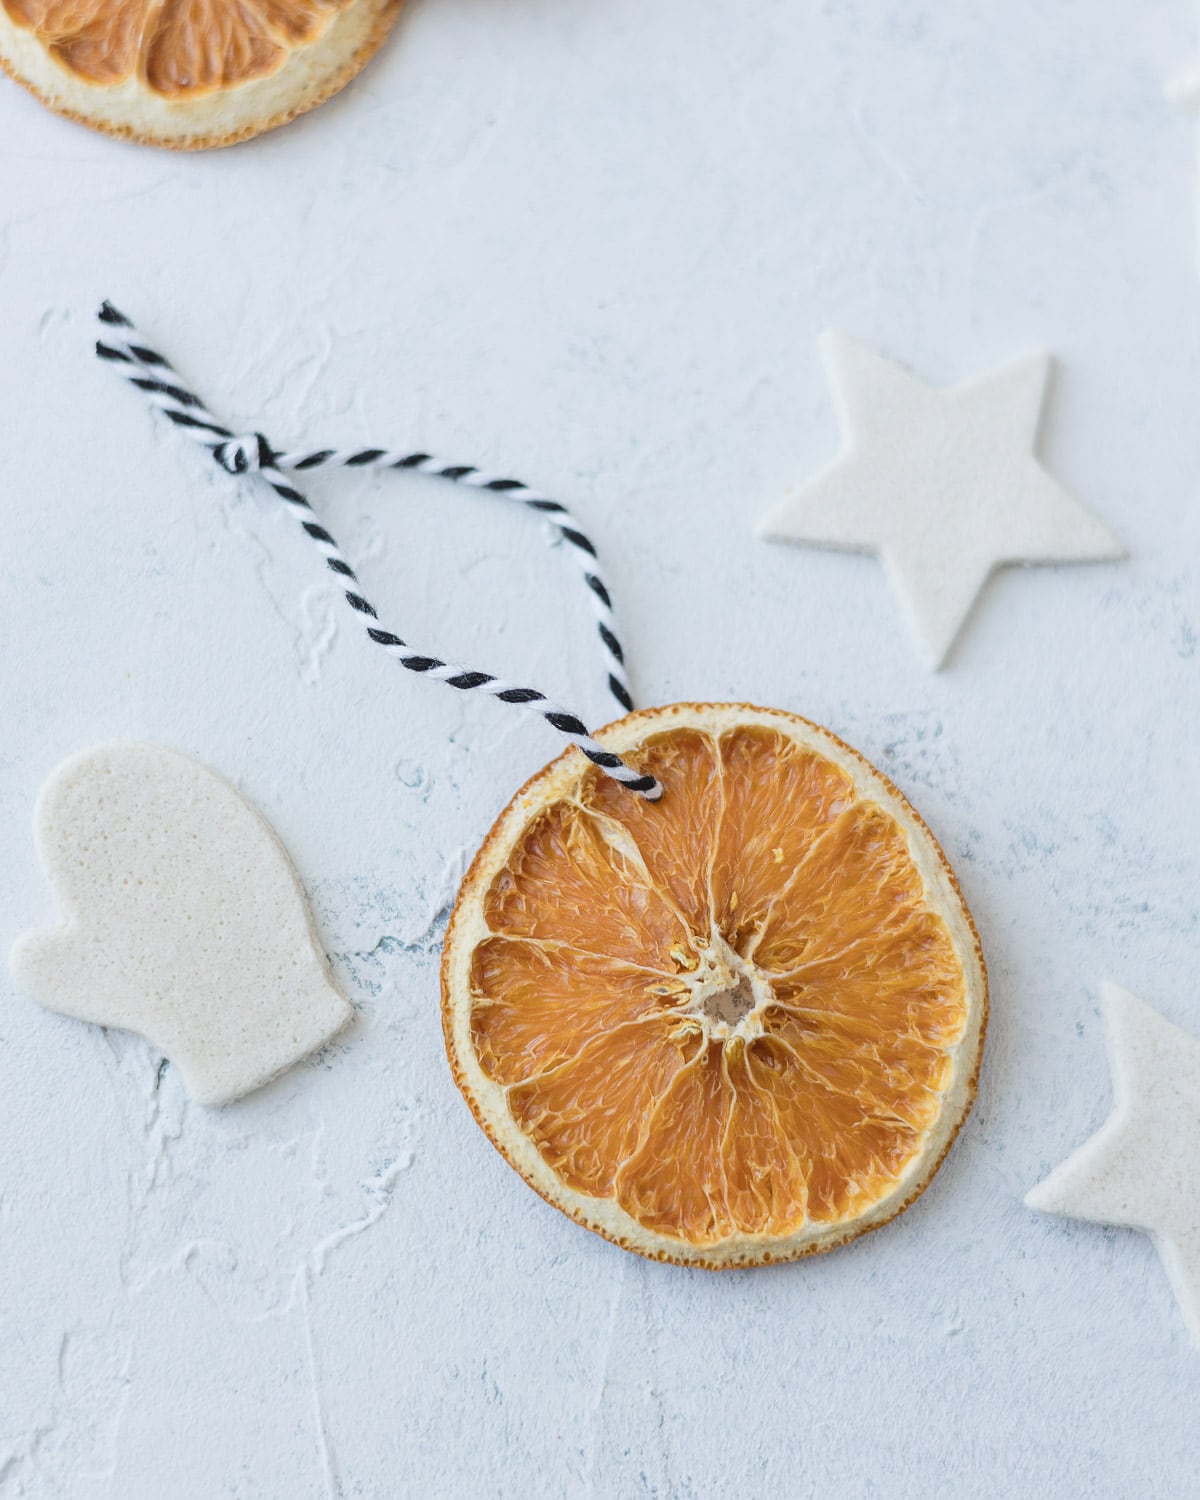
943, 485
185, 920
187, 76
1142, 1167
710, 984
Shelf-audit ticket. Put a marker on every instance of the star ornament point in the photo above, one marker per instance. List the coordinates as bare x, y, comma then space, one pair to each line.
943, 485
1141, 1169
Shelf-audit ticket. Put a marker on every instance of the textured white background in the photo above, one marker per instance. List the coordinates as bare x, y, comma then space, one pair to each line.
595, 243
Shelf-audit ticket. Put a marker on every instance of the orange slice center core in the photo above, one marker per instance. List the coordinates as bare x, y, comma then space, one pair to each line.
728, 994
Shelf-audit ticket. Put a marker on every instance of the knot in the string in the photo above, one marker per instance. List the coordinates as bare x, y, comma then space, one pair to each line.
244, 455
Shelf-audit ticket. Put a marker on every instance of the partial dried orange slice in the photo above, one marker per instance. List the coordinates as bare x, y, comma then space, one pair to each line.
188, 73
739, 1025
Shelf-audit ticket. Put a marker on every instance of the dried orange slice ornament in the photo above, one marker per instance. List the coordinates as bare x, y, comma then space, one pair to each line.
735, 1026
710, 984
188, 73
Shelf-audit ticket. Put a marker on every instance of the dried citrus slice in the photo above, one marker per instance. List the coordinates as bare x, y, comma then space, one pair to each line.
735, 1026
188, 73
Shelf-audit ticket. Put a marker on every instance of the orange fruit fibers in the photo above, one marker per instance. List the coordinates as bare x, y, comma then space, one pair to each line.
188, 73
735, 1026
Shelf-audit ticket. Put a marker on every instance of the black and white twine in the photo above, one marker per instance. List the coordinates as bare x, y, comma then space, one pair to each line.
120, 345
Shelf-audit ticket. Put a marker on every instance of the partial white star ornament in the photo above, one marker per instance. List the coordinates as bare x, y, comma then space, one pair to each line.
943, 485
1142, 1167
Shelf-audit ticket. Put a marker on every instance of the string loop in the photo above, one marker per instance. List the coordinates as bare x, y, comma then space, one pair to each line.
147, 370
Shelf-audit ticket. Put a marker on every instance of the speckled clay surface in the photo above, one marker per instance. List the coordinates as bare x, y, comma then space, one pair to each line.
1141, 1169
944, 486
183, 921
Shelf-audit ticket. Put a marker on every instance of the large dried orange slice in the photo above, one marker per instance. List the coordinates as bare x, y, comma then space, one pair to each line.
735, 1026
188, 73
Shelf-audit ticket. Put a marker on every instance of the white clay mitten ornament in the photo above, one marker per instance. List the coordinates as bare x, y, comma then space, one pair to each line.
185, 920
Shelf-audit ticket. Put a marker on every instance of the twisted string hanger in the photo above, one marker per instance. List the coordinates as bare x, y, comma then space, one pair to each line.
120, 345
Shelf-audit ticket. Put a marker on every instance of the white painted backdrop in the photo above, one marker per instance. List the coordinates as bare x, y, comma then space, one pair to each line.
595, 244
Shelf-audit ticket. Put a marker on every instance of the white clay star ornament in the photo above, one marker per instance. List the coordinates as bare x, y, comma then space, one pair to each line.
1142, 1167
185, 920
944, 485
